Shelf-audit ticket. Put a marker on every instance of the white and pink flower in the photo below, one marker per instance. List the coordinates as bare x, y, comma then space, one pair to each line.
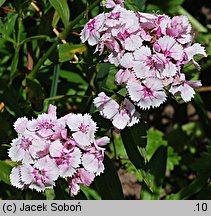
83, 128
49, 148
121, 115
114, 3
67, 159
148, 93
82, 177
91, 30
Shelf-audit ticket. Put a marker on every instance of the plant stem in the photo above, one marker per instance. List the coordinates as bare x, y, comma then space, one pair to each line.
63, 36
55, 80
112, 137
15, 59
42, 60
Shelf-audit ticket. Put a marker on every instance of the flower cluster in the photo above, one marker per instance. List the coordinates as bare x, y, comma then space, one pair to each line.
121, 115
49, 147
150, 51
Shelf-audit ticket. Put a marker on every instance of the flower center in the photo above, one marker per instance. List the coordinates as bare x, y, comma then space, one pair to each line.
147, 92
91, 25
84, 128
25, 143
45, 125
39, 175
114, 16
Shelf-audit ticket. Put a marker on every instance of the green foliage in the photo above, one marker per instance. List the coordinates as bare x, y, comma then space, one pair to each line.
108, 184
6, 168
156, 173
134, 139
67, 51
62, 9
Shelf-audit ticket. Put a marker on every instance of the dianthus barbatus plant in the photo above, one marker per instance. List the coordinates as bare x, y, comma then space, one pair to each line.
49, 147
150, 51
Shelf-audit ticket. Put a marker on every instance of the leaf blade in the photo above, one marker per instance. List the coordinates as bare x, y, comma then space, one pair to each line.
108, 184
62, 8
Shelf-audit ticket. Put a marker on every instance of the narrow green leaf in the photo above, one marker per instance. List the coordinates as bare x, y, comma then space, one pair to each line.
108, 184
90, 193
134, 138
157, 169
36, 37
55, 81
62, 8
55, 20
72, 77
2, 2
192, 188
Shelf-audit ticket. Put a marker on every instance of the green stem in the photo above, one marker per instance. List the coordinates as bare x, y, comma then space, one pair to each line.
42, 60
15, 59
55, 80
63, 35
37, 37
112, 137
19, 32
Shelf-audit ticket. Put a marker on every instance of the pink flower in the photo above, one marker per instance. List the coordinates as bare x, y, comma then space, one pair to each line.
40, 176
128, 39
127, 60
122, 76
67, 159
19, 150
195, 49
169, 47
60, 131
184, 88
92, 160
43, 125
39, 148
126, 116
131, 110
148, 93
15, 178
180, 29
90, 32
82, 177
49, 147
83, 128
113, 3
20, 125
121, 116
102, 141
101, 100
144, 65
